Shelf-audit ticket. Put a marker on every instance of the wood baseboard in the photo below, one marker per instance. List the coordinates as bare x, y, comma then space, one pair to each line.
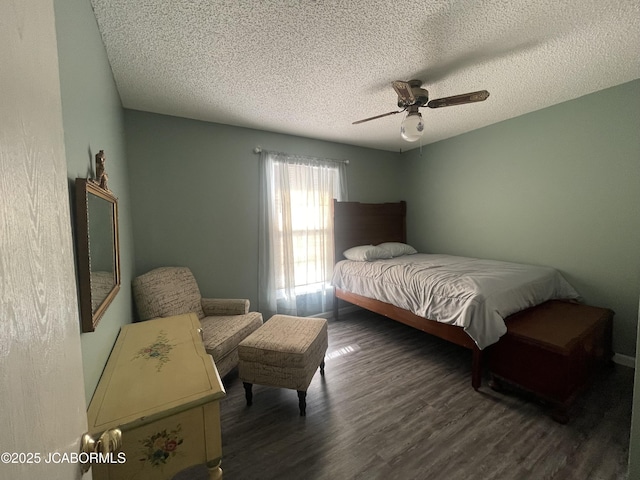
625, 360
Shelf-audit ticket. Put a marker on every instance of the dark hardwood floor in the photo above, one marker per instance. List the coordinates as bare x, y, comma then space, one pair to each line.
396, 403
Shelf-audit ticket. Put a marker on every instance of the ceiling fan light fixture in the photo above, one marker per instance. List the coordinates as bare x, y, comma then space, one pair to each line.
412, 127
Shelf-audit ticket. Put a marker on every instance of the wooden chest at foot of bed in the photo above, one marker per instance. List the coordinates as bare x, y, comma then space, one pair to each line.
552, 350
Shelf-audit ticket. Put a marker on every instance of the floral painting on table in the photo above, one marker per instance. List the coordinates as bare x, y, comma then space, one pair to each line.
159, 350
161, 447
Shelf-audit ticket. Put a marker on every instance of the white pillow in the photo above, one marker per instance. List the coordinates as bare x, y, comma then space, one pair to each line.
397, 249
366, 253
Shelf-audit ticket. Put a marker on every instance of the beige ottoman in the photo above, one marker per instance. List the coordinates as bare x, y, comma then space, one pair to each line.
284, 352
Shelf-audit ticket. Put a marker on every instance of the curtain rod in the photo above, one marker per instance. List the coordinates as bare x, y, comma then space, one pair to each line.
258, 150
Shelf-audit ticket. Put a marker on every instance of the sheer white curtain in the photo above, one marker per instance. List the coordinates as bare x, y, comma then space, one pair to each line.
296, 229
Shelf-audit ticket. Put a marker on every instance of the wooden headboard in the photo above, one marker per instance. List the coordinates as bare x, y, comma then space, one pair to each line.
356, 223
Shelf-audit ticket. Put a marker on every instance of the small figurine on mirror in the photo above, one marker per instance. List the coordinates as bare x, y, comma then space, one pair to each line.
101, 173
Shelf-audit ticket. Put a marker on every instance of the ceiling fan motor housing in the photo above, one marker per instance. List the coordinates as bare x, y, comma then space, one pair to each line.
420, 94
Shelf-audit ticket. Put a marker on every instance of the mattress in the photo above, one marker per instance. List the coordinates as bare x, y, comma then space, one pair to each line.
472, 293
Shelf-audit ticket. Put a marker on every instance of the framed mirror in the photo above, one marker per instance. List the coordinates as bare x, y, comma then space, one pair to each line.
97, 250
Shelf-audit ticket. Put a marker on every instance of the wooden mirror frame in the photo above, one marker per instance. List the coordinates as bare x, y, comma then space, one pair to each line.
91, 308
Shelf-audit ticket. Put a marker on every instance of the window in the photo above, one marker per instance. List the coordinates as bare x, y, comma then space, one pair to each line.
296, 254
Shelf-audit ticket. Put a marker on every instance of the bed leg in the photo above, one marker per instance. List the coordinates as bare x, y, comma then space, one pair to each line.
335, 308
476, 368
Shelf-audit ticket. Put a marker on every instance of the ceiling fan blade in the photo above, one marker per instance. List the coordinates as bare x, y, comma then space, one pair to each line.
403, 89
472, 97
377, 116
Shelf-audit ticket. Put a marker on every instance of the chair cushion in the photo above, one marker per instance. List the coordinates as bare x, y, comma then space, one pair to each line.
223, 334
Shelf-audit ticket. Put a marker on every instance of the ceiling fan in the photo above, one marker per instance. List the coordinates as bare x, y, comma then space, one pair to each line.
411, 97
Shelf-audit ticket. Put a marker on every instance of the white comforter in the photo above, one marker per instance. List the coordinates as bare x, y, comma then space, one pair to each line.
471, 293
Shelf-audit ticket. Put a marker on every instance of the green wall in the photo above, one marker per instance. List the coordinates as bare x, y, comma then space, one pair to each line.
195, 194
559, 187
93, 120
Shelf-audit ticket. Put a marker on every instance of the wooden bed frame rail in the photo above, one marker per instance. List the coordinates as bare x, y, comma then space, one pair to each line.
373, 223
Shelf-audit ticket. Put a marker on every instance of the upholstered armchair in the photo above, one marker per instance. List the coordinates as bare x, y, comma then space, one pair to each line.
168, 291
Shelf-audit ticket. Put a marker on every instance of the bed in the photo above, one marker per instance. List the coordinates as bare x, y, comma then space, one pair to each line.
395, 288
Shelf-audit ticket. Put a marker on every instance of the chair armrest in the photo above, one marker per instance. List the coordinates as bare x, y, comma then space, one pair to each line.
224, 306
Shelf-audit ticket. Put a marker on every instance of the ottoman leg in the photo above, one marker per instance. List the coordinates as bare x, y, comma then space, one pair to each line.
247, 393
322, 367
302, 402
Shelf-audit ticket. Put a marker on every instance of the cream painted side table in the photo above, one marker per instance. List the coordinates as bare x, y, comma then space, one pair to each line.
161, 389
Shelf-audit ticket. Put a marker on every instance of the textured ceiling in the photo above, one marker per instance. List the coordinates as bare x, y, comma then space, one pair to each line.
311, 68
